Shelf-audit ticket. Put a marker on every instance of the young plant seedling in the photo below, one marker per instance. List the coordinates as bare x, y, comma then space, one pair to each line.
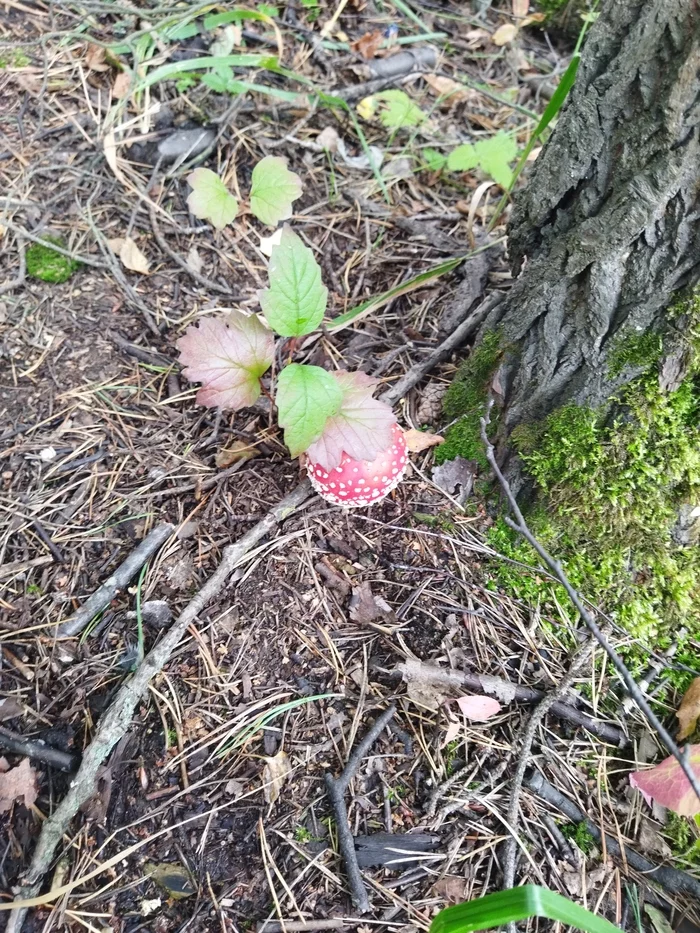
354, 450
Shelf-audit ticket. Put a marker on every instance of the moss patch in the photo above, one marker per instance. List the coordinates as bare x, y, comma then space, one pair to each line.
466, 401
609, 490
636, 350
47, 265
581, 835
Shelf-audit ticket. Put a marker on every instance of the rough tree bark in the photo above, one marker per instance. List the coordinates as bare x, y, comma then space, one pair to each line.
608, 227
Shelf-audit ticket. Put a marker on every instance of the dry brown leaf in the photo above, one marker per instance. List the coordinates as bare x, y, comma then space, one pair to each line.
194, 260
421, 440
368, 45
427, 685
689, 710
452, 91
452, 889
504, 34
121, 85
95, 58
276, 771
366, 608
18, 782
132, 257
10, 708
520, 7
239, 450
533, 18
328, 139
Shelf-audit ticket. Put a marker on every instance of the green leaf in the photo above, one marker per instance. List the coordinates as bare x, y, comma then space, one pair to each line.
495, 154
399, 110
295, 302
210, 199
504, 907
492, 156
273, 189
267, 9
433, 160
463, 158
306, 397
174, 69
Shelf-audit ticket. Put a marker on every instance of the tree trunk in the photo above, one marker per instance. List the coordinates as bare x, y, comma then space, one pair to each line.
608, 227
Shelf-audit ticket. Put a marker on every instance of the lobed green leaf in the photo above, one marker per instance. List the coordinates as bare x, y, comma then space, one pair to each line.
210, 199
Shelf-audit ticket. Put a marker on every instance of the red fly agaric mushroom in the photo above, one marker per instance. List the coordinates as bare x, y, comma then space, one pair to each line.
355, 483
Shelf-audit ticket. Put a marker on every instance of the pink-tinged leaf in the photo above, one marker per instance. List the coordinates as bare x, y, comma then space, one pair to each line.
361, 428
668, 786
227, 356
479, 708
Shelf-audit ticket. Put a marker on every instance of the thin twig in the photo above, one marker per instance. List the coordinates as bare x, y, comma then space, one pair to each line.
336, 788
118, 580
37, 751
18, 280
443, 350
521, 526
524, 747
151, 357
306, 926
200, 279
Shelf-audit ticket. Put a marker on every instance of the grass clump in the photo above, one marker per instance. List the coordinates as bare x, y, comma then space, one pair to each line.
47, 265
466, 401
608, 489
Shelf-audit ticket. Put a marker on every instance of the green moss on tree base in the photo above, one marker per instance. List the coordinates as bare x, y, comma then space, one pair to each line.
465, 401
608, 498
47, 265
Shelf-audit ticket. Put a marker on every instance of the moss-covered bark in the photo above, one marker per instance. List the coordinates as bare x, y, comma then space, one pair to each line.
606, 231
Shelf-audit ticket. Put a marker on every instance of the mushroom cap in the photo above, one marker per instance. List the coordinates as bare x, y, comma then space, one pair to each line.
356, 483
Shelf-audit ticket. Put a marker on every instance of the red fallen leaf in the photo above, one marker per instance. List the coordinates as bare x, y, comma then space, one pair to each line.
478, 708
668, 785
368, 45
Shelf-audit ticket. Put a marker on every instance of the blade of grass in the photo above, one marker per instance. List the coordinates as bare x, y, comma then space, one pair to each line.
505, 907
247, 732
418, 281
173, 69
411, 14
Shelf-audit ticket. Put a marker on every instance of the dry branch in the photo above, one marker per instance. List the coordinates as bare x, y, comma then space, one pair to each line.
671, 879
37, 751
500, 688
119, 579
336, 788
